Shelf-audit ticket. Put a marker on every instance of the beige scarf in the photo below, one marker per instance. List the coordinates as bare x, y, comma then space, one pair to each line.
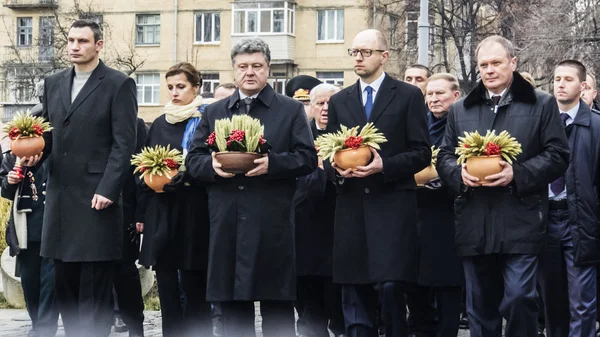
179, 113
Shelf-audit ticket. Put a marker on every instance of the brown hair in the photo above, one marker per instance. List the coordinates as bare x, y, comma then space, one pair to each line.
422, 67
190, 72
528, 77
581, 71
454, 85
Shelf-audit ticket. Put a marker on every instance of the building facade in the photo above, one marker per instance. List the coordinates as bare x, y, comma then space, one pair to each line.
145, 37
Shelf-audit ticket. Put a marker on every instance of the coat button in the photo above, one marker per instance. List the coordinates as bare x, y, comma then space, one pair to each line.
243, 218
64, 154
367, 191
66, 122
241, 187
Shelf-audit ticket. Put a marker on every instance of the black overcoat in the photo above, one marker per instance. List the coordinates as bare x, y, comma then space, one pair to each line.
375, 235
510, 219
89, 152
252, 251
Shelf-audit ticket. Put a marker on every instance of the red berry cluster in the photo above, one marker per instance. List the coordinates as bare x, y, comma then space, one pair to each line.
353, 142
466, 146
236, 135
142, 169
14, 133
211, 139
172, 164
38, 130
261, 140
492, 149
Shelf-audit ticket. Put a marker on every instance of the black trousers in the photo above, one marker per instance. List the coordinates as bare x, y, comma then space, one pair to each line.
277, 319
319, 306
421, 307
37, 280
128, 288
84, 295
360, 301
193, 317
448, 300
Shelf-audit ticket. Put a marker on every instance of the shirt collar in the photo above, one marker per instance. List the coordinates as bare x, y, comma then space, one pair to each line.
490, 94
375, 84
572, 112
242, 95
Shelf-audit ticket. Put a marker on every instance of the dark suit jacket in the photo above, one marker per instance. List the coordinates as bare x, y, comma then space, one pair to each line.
89, 152
375, 222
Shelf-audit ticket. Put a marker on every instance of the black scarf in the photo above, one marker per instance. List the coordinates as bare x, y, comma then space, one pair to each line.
437, 126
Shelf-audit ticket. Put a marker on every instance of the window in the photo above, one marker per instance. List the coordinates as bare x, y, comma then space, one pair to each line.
210, 82
412, 27
208, 28
275, 17
393, 30
25, 32
148, 88
278, 84
331, 77
148, 29
330, 25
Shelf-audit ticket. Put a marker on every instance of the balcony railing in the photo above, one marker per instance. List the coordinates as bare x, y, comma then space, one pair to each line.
23, 4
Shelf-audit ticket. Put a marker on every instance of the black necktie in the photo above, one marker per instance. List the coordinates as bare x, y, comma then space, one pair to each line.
247, 103
496, 99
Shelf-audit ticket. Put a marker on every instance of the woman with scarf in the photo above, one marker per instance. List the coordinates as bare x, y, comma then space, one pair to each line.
175, 223
439, 267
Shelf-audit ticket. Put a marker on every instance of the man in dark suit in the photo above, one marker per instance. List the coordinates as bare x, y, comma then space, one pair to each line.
93, 111
251, 248
375, 221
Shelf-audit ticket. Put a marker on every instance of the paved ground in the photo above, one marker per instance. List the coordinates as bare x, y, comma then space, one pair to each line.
15, 323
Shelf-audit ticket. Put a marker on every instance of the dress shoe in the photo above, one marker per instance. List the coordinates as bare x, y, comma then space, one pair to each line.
120, 326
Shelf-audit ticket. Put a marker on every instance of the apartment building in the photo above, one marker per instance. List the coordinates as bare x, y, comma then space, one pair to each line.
145, 37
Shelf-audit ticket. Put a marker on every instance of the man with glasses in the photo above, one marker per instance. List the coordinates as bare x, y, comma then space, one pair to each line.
375, 221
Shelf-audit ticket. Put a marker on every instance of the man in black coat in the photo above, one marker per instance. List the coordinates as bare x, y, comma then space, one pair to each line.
569, 259
375, 230
93, 111
251, 248
500, 226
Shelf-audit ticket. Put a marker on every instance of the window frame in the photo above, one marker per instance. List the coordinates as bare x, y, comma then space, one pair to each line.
153, 86
154, 25
212, 14
336, 12
28, 33
210, 77
321, 76
287, 24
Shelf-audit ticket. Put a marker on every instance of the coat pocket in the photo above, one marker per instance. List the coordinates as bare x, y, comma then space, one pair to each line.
96, 166
468, 230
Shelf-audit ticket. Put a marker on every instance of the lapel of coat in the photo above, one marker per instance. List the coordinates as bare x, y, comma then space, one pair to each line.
355, 106
65, 90
383, 98
92, 83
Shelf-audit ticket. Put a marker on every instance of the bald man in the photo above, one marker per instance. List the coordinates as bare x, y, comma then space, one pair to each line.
375, 235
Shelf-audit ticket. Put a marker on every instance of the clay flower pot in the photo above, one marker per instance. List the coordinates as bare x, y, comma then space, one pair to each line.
351, 158
237, 162
27, 146
484, 166
425, 175
156, 182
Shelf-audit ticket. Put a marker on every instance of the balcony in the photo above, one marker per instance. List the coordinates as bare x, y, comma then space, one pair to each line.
30, 4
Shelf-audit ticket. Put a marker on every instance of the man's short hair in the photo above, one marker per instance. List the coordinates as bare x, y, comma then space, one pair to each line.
228, 86
581, 71
422, 67
92, 25
593, 79
251, 46
504, 42
454, 85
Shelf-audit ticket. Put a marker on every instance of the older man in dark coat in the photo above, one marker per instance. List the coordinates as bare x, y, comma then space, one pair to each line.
251, 249
500, 226
375, 234
93, 111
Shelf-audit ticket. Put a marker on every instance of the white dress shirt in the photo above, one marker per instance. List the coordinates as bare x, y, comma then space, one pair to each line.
375, 85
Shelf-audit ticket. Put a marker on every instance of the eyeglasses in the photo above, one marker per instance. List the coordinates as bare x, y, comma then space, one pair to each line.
363, 52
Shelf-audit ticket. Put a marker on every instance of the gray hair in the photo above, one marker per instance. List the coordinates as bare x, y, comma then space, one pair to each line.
323, 87
251, 46
504, 42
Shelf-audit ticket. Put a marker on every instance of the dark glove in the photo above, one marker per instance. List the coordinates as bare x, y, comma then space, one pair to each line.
434, 184
133, 233
176, 183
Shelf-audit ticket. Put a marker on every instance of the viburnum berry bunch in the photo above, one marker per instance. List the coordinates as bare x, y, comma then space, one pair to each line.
475, 145
158, 160
241, 133
26, 125
329, 144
